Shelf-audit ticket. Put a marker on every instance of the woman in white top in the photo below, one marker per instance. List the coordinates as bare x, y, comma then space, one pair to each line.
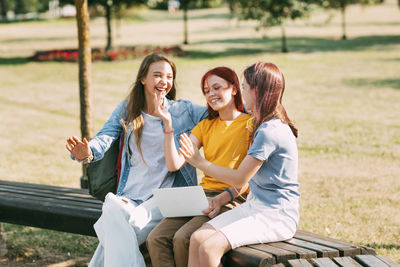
271, 212
131, 213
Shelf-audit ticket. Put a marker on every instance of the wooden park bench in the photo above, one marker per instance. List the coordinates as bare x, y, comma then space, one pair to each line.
75, 211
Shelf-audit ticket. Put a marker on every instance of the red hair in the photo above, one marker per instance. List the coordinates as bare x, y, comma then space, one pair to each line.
230, 76
269, 84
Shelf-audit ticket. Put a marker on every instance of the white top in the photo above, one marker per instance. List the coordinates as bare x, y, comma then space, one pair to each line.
153, 173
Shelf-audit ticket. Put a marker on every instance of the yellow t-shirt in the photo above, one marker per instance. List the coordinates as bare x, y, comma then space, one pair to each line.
225, 143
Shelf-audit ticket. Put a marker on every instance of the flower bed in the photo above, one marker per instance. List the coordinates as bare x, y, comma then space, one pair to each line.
118, 53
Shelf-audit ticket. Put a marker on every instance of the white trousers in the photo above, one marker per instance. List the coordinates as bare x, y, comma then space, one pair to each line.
121, 228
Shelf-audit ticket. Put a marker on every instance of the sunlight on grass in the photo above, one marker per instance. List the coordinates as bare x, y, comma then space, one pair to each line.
344, 96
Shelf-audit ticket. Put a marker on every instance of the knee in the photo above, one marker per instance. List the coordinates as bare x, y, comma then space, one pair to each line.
153, 240
181, 239
205, 249
196, 238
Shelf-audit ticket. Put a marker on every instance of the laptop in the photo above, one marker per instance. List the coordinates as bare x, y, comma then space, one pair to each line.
181, 201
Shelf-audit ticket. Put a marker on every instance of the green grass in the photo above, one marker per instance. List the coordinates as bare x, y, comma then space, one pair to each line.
344, 97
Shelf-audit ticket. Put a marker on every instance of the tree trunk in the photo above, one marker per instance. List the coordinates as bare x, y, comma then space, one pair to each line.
85, 61
3, 246
4, 9
185, 22
343, 5
108, 22
284, 45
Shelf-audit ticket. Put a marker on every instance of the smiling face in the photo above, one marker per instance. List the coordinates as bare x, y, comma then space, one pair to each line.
249, 96
159, 79
218, 92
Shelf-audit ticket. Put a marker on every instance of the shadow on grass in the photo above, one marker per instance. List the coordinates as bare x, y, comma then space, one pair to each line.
383, 246
13, 60
295, 44
35, 107
374, 83
42, 108
202, 54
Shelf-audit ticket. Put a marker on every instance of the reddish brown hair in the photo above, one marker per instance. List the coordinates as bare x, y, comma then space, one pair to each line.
230, 76
269, 84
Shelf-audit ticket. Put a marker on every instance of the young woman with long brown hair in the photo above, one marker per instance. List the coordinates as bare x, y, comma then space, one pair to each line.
130, 214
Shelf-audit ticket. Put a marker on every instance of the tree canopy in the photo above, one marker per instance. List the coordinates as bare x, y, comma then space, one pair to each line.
342, 5
274, 12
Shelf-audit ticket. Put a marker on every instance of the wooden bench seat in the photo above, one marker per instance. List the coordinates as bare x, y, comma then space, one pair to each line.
75, 211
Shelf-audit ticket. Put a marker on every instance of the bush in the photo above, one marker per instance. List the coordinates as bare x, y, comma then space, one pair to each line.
118, 53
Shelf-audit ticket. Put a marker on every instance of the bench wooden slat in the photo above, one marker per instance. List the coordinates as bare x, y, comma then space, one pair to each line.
322, 251
387, 261
42, 187
346, 262
370, 261
345, 249
301, 253
246, 256
280, 254
299, 263
77, 196
367, 250
327, 238
67, 209
83, 195
323, 262
36, 202
46, 197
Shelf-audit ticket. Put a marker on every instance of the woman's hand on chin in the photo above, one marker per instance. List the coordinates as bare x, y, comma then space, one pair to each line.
159, 109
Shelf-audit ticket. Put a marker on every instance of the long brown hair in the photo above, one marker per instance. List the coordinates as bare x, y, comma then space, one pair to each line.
269, 84
137, 100
231, 78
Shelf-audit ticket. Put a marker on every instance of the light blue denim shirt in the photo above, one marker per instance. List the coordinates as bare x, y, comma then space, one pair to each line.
275, 183
185, 116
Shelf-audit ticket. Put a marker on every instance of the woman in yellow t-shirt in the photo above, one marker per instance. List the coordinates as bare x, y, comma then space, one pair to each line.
224, 137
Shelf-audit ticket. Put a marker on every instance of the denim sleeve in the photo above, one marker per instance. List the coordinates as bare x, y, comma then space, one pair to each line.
264, 144
198, 113
111, 130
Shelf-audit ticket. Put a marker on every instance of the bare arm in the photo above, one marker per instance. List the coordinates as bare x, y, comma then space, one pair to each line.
173, 159
238, 178
216, 203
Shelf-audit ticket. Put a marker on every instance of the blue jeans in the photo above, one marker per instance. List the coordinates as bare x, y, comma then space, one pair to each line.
122, 227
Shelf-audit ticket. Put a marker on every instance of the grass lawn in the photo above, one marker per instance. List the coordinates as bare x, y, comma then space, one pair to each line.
344, 97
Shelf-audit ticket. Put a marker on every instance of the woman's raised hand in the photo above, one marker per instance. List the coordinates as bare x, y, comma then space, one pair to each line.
188, 150
80, 150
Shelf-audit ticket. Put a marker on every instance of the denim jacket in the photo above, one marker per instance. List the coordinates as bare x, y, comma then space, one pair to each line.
185, 116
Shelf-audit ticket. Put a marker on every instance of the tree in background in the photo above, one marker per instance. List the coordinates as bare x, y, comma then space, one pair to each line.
342, 5
274, 12
108, 6
3, 10
117, 5
185, 5
22, 7
85, 61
